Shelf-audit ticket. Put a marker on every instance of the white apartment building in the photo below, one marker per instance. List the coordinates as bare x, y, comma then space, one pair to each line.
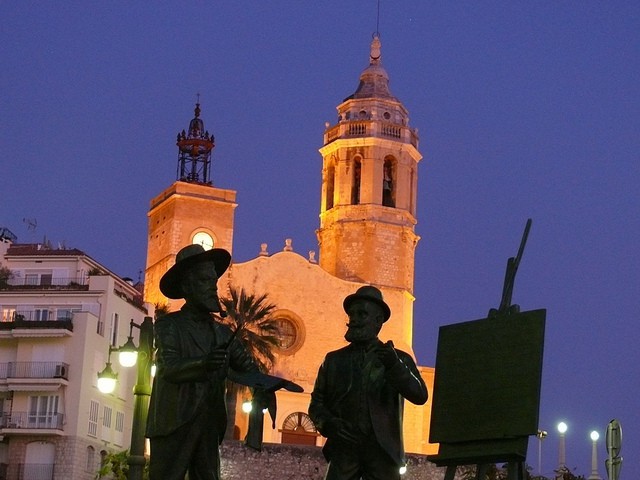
60, 310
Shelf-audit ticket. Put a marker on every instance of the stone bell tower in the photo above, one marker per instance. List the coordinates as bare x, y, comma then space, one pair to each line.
191, 210
369, 186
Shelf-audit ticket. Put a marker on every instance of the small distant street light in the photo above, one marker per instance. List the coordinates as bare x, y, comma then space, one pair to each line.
594, 457
542, 434
130, 355
562, 462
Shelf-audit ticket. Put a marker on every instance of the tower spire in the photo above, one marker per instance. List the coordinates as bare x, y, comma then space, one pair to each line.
194, 151
375, 56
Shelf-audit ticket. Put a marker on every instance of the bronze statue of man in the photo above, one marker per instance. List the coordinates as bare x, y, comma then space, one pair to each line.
358, 397
187, 413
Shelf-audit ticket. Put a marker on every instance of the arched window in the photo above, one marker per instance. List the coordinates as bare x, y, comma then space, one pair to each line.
91, 459
298, 429
389, 183
412, 206
330, 181
356, 181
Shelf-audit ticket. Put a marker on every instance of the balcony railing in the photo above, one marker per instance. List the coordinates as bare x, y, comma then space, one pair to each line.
36, 319
41, 314
47, 283
27, 420
370, 128
34, 370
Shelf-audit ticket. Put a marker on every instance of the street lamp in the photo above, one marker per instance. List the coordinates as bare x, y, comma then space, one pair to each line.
542, 434
129, 355
594, 457
562, 464
107, 378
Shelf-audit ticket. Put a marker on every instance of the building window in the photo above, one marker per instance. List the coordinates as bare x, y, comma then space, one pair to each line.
106, 418
43, 411
388, 183
94, 407
8, 314
412, 207
106, 423
286, 333
120, 422
42, 314
330, 182
91, 459
113, 330
290, 333
356, 181
118, 436
298, 429
66, 313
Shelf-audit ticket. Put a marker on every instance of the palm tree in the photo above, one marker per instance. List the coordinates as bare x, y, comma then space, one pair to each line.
251, 317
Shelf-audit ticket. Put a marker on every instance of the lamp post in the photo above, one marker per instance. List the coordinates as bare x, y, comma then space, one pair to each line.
142, 357
594, 457
562, 463
542, 434
141, 393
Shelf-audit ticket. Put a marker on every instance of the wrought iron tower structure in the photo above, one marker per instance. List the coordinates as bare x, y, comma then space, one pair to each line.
194, 152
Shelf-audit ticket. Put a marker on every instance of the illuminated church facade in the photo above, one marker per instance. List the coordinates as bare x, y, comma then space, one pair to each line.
366, 236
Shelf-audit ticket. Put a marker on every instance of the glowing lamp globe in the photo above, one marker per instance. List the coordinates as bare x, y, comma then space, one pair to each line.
128, 358
107, 379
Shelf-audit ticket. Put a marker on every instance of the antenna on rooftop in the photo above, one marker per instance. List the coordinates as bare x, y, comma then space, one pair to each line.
31, 223
378, 21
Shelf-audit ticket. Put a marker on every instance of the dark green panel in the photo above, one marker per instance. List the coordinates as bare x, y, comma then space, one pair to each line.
488, 375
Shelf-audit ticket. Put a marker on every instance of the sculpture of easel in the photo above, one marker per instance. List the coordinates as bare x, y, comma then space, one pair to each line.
487, 386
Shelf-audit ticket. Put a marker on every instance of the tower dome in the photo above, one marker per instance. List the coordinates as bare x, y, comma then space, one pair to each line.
374, 81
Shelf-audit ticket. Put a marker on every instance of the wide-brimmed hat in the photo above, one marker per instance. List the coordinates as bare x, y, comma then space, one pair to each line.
170, 284
371, 293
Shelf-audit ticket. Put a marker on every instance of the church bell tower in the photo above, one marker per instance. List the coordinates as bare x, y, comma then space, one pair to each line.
369, 186
191, 210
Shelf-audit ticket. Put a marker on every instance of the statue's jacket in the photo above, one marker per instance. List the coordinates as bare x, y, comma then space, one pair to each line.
183, 385
385, 390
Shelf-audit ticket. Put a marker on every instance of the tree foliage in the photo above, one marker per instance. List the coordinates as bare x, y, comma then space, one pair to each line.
114, 466
251, 316
6, 274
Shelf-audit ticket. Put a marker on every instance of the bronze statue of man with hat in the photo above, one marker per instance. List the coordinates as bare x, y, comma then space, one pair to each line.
358, 397
187, 412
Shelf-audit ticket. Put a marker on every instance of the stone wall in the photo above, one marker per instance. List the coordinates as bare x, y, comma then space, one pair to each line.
298, 462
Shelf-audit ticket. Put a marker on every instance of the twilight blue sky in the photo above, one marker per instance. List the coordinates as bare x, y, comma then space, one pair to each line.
525, 109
